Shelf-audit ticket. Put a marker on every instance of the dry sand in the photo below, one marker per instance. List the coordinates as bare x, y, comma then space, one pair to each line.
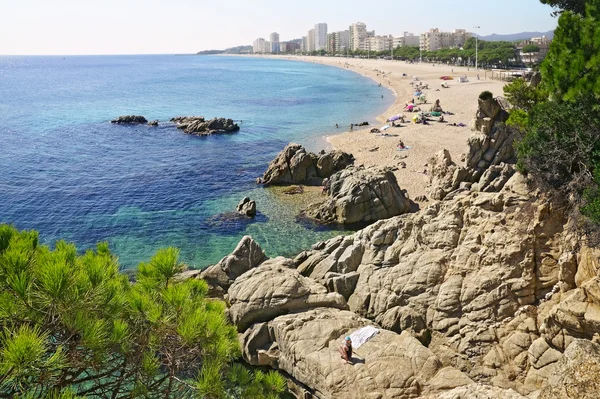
424, 140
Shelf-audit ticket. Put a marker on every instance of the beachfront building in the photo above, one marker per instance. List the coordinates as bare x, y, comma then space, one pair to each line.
311, 41
407, 39
258, 46
274, 38
380, 43
338, 42
434, 39
358, 36
320, 36
289, 47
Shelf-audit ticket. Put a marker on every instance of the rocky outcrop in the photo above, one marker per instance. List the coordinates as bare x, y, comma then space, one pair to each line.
153, 123
198, 126
275, 289
294, 165
247, 255
247, 207
489, 162
305, 346
360, 195
129, 120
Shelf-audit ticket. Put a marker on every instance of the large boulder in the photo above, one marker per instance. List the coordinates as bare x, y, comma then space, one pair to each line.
275, 289
247, 255
305, 346
129, 120
198, 126
294, 165
360, 195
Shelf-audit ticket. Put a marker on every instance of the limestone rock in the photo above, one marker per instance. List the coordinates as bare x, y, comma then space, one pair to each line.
198, 126
360, 195
247, 207
294, 165
274, 289
153, 123
247, 255
129, 120
305, 346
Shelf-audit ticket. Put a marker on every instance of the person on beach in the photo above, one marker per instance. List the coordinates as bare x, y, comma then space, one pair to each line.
336, 126
401, 145
346, 350
351, 126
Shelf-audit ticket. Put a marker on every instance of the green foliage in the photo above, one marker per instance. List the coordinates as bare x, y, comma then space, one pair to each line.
524, 96
531, 48
519, 119
407, 52
572, 66
576, 6
74, 325
486, 95
591, 195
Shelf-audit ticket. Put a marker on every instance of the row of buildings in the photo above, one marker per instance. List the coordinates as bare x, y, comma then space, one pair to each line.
358, 37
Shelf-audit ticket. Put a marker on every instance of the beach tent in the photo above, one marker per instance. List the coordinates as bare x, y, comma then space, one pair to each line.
463, 79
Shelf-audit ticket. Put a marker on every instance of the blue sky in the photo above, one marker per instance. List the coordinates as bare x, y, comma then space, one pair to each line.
186, 26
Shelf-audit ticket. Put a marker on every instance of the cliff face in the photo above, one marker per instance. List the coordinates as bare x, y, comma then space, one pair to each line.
486, 294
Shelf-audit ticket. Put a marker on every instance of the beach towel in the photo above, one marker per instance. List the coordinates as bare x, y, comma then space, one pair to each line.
406, 148
360, 337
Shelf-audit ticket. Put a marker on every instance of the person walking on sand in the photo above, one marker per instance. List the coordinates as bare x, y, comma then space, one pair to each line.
346, 350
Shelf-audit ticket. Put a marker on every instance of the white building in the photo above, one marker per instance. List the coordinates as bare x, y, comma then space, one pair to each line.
358, 36
407, 39
258, 46
275, 46
338, 42
311, 41
435, 39
320, 36
380, 43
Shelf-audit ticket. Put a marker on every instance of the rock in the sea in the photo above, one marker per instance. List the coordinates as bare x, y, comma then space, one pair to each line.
153, 123
130, 120
247, 255
197, 125
247, 207
294, 165
360, 195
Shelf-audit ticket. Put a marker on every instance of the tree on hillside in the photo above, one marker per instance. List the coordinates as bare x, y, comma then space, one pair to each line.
576, 6
572, 66
74, 326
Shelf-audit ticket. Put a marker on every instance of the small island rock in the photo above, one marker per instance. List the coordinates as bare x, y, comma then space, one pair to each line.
129, 120
247, 207
199, 126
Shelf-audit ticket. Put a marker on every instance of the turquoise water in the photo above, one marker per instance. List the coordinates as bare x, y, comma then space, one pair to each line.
67, 172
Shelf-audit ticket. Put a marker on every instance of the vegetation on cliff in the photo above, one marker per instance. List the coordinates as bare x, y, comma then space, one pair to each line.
74, 326
559, 118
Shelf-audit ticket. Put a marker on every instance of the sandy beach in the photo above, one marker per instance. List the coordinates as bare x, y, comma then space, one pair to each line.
424, 140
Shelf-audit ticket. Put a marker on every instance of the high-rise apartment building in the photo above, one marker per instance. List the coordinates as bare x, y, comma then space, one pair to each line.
274, 38
358, 36
258, 46
407, 39
320, 36
338, 42
379, 43
435, 39
311, 41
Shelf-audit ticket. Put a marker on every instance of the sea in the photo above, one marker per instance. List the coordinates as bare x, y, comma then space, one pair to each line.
70, 174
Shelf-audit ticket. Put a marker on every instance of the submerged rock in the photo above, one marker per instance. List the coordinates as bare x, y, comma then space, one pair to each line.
197, 125
294, 165
360, 195
130, 120
153, 123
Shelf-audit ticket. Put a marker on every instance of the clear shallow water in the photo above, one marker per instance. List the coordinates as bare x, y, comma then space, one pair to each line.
67, 172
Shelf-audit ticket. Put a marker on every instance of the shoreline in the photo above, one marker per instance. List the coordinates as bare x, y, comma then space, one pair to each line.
424, 140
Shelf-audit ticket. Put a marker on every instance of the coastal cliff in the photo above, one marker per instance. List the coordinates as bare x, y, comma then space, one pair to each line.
485, 293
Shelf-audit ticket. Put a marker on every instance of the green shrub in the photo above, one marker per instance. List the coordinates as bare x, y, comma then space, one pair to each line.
522, 95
